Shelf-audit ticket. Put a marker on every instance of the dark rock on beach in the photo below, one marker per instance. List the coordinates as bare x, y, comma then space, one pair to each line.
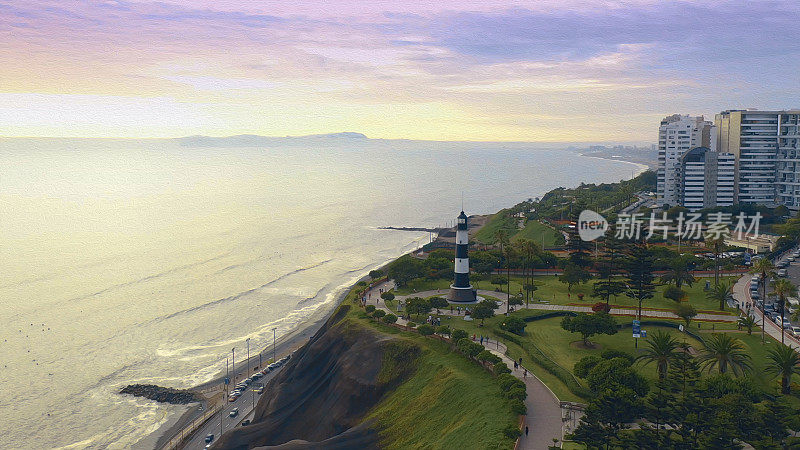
161, 394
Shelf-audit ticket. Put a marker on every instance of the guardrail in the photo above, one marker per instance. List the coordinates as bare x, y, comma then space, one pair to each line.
186, 432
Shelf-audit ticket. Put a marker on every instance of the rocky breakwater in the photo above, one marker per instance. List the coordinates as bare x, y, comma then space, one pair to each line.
161, 394
322, 397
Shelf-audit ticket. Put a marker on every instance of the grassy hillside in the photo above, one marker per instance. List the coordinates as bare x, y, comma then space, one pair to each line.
540, 233
500, 220
447, 402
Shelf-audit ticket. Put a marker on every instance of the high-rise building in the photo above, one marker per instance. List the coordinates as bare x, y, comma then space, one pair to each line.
707, 179
677, 135
767, 149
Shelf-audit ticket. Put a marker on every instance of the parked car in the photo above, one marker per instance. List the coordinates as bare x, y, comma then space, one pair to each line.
754, 295
234, 412
795, 331
245, 423
209, 437
791, 259
260, 390
783, 273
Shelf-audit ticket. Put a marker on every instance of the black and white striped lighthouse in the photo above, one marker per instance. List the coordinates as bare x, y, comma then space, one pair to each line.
461, 291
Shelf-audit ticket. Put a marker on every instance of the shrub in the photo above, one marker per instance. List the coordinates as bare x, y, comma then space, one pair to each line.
601, 307
518, 407
611, 354
488, 356
673, 293
438, 302
518, 392
469, 348
443, 330
458, 335
361, 283
388, 296
506, 381
425, 329
514, 325
369, 309
411, 325
375, 274
500, 367
584, 365
512, 432
389, 318
378, 313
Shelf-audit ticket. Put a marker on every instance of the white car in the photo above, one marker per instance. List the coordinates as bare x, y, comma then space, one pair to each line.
795, 331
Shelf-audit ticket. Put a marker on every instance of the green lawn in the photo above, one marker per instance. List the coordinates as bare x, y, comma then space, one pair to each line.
488, 232
540, 233
448, 401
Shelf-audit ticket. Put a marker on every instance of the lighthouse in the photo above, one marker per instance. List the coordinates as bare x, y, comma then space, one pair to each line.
461, 291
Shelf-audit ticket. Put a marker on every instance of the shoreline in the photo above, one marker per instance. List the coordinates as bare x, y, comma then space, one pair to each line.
642, 167
283, 346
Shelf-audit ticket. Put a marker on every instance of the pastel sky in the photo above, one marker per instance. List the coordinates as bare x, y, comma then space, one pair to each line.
546, 70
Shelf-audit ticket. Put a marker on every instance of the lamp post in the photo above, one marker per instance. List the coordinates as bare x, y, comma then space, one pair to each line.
233, 363
273, 344
252, 391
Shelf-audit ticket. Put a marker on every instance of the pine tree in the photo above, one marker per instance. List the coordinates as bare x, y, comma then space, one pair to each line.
639, 271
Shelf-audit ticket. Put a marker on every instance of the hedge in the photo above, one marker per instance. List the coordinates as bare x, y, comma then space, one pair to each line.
538, 357
663, 323
549, 315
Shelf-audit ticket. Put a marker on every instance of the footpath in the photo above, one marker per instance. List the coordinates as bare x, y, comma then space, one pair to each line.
545, 411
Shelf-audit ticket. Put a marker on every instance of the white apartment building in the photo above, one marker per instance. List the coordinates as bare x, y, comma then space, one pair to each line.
706, 179
677, 135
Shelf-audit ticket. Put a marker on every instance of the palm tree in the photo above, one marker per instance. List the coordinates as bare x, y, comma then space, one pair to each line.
723, 351
783, 288
748, 322
722, 293
678, 273
764, 268
661, 349
716, 246
783, 361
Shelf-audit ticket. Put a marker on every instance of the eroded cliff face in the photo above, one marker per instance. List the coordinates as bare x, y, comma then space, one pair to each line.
321, 397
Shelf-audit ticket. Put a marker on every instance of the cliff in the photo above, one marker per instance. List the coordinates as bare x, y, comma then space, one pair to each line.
320, 399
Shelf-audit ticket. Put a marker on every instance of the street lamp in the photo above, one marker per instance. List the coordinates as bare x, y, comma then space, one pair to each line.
273, 344
248, 371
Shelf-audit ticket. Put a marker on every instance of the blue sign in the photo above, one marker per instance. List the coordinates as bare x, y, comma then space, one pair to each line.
227, 381
747, 258
637, 329
644, 333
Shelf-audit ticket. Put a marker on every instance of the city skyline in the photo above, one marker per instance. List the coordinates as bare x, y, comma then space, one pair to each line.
561, 71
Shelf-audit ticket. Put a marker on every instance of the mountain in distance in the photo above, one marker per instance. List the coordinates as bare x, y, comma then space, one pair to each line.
253, 140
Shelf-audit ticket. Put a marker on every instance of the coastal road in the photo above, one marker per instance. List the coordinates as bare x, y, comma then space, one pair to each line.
244, 403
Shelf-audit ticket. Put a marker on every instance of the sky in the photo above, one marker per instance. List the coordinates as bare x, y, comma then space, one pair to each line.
530, 70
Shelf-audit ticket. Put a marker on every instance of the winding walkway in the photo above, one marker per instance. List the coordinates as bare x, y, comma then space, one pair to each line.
544, 409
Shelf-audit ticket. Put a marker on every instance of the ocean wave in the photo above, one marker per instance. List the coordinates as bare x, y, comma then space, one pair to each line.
235, 296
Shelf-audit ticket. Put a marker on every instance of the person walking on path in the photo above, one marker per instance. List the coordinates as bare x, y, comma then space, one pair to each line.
526, 430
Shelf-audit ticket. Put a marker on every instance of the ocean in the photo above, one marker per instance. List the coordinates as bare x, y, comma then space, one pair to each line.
146, 261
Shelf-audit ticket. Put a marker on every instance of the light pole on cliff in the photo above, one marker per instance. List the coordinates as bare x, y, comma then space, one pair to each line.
233, 364
273, 344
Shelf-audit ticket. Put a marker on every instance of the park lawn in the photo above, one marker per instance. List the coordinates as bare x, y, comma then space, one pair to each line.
448, 401
487, 234
551, 290
422, 284
539, 233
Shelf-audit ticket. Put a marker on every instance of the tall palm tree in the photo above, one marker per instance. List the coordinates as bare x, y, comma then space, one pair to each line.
783, 361
783, 288
722, 293
716, 246
661, 349
678, 273
748, 322
764, 268
723, 351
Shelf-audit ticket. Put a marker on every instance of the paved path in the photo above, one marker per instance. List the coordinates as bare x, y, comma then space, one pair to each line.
544, 409
651, 313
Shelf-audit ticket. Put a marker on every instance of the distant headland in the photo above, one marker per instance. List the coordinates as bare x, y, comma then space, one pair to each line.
254, 140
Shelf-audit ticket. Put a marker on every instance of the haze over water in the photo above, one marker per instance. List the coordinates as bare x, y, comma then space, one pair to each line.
128, 261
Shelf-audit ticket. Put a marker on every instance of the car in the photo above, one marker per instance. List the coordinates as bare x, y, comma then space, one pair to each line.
755, 279
783, 273
795, 331
787, 325
754, 295
245, 423
209, 437
234, 412
791, 259
260, 389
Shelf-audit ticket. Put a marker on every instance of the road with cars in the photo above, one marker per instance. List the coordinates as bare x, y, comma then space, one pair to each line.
238, 408
748, 290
